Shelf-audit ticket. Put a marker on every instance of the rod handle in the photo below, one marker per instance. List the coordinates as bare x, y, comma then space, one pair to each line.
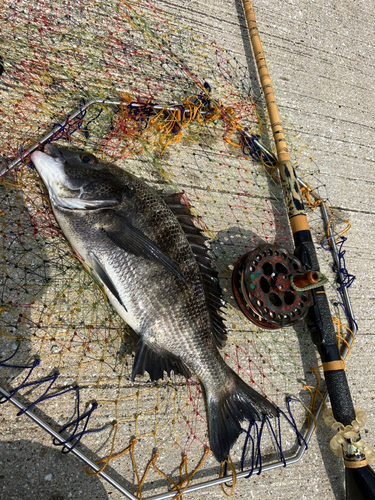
319, 322
323, 332
339, 395
360, 483
293, 197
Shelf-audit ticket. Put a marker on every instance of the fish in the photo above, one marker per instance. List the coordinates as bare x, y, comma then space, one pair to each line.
144, 249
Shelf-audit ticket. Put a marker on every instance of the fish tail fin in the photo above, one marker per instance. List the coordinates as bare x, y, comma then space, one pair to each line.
226, 412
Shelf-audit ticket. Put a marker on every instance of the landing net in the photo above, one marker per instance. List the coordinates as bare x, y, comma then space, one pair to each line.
61, 341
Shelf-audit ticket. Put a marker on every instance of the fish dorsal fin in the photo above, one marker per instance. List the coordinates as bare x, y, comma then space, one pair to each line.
210, 276
146, 359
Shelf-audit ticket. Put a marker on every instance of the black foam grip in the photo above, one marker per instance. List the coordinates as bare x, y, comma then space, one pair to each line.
339, 394
320, 314
329, 352
319, 321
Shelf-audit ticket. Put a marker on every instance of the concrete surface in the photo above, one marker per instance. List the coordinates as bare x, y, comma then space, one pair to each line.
321, 58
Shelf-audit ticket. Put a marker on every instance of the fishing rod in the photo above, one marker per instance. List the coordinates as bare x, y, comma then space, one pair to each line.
359, 477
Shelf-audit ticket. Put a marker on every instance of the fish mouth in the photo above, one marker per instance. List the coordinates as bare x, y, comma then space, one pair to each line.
50, 166
53, 152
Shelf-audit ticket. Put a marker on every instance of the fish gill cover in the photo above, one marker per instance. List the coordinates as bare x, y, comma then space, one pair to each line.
70, 349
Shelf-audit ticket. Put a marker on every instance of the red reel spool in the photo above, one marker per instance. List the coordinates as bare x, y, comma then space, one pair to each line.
262, 289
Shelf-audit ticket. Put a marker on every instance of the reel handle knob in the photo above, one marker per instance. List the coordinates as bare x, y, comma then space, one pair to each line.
309, 278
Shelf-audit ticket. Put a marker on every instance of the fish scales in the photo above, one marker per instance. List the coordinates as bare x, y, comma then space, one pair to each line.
134, 245
169, 306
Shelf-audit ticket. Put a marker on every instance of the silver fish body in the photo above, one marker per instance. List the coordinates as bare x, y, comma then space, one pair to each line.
155, 270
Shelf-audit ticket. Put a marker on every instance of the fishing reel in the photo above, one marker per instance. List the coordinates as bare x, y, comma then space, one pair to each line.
270, 287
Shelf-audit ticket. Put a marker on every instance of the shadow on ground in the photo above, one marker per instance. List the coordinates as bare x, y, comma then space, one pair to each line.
33, 471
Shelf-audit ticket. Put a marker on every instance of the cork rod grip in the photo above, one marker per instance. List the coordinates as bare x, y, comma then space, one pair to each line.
288, 177
265, 80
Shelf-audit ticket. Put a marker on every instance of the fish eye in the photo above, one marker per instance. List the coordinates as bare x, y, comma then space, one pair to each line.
85, 158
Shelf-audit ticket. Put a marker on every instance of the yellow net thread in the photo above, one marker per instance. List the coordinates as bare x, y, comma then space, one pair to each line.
233, 478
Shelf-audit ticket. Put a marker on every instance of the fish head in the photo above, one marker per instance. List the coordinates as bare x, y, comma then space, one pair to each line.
75, 180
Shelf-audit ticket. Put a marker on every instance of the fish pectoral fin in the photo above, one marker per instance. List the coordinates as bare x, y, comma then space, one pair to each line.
146, 359
104, 277
132, 240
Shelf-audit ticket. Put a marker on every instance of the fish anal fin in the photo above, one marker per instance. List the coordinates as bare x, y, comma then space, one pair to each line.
146, 359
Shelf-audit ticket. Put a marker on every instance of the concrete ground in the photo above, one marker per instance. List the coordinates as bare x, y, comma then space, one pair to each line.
321, 58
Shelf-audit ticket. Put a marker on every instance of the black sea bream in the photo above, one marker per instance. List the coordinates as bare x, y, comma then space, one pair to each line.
155, 269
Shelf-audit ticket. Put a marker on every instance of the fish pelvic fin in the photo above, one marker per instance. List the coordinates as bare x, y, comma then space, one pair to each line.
226, 412
146, 359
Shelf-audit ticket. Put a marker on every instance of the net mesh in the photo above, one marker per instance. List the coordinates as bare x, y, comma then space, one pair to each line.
57, 56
